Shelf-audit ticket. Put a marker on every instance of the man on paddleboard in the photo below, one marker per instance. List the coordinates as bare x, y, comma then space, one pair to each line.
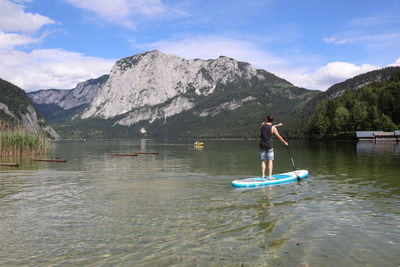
266, 147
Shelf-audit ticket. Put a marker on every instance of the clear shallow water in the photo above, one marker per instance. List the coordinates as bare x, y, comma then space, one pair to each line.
178, 207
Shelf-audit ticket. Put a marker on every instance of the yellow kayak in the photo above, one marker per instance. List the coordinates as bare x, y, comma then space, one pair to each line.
197, 143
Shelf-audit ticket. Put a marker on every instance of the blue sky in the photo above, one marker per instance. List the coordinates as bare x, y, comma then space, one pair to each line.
313, 44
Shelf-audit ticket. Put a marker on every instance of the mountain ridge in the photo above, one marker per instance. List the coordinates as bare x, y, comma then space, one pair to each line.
153, 91
83, 93
152, 78
17, 111
166, 95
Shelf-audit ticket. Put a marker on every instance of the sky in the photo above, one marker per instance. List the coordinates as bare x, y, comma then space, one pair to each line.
311, 43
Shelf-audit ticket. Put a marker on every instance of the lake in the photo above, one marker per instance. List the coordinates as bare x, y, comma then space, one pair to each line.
178, 208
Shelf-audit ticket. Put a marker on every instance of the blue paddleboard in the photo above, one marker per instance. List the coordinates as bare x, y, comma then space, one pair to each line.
279, 179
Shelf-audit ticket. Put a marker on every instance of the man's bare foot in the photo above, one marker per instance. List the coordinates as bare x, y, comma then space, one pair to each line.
272, 178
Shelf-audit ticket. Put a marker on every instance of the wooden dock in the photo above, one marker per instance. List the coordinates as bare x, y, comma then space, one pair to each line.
378, 136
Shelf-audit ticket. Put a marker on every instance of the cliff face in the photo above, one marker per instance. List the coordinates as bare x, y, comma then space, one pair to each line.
17, 111
82, 94
138, 83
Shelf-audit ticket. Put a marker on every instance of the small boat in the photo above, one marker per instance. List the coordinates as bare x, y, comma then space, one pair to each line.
198, 143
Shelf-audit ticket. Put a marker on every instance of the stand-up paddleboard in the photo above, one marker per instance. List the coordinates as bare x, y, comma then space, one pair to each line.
279, 179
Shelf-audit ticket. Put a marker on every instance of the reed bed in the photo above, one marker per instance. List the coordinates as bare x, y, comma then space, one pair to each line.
20, 142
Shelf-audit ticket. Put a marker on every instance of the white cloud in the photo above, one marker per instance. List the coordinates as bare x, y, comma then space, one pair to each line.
396, 63
374, 32
120, 11
336, 40
328, 75
50, 68
20, 28
290, 68
10, 40
14, 19
45, 68
207, 47
386, 18
370, 40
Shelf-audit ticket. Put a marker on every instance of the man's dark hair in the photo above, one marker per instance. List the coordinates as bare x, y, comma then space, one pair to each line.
270, 118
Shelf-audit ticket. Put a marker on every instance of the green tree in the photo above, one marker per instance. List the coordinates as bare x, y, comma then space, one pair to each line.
342, 119
372, 119
384, 123
359, 116
330, 112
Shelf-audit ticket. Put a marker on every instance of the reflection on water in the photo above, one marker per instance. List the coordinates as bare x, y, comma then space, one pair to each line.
178, 207
378, 147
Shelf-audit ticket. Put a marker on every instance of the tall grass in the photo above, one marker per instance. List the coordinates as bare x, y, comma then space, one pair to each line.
21, 142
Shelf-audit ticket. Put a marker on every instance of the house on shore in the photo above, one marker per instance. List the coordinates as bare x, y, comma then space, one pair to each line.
378, 136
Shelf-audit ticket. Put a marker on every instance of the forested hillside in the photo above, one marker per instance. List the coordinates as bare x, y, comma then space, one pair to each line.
14, 102
17, 111
375, 106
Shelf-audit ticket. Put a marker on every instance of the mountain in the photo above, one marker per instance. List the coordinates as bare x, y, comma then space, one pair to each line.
352, 84
165, 96
59, 104
17, 111
367, 102
380, 75
165, 85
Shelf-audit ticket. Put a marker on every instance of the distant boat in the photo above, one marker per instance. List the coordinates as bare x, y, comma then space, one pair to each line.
198, 144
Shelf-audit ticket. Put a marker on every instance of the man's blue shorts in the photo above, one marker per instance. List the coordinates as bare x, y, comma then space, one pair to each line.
267, 154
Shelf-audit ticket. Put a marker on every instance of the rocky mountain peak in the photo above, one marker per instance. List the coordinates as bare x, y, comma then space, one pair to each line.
152, 78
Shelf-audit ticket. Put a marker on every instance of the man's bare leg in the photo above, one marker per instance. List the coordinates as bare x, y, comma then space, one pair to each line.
270, 166
263, 167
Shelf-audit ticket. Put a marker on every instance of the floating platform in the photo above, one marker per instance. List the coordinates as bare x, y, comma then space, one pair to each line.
51, 160
9, 164
122, 155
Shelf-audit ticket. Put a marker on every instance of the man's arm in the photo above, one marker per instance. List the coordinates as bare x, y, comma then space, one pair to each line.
275, 131
276, 125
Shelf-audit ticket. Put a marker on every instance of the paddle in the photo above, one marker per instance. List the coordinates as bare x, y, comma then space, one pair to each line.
294, 167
